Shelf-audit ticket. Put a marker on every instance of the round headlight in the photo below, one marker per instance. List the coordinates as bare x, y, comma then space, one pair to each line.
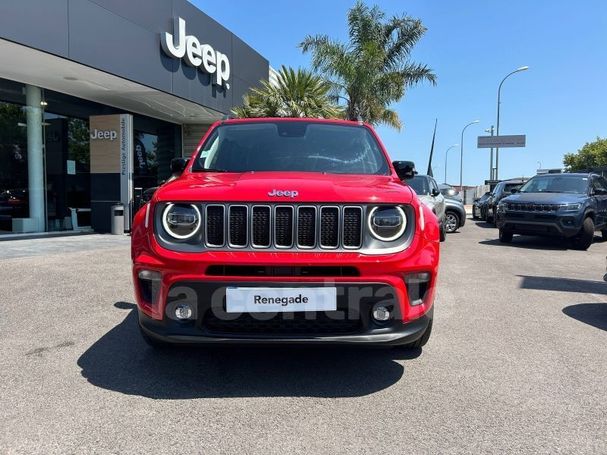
181, 220
387, 223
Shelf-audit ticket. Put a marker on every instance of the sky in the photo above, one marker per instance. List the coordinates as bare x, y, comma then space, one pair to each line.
560, 103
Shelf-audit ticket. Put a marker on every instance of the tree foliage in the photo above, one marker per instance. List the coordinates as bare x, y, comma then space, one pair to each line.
299, 93
591, 155
373, 70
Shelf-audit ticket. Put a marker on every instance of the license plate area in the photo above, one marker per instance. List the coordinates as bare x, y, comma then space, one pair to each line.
240, 299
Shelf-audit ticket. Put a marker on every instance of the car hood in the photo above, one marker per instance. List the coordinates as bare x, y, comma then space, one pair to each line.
545, 198
307, 187
454, 203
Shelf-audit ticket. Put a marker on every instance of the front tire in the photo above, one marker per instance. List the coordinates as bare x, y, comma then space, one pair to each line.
583, 240
505, 236
452, 222
489, 218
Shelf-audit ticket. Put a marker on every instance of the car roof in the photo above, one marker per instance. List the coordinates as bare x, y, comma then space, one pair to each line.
231, 121
569, 174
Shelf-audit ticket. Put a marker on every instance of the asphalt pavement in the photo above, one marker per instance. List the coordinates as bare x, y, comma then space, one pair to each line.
517, 364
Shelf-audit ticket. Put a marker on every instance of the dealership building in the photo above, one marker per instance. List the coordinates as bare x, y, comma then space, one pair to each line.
97, 97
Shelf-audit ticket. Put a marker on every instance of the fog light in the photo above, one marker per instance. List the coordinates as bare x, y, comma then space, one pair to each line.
381, 313
183, 311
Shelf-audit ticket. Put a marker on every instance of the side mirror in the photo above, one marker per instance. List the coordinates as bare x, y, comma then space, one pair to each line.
435, 193
404, 169
514, 190
178, 166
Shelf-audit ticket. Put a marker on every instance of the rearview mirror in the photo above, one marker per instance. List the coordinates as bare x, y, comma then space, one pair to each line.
404, 169
178, 166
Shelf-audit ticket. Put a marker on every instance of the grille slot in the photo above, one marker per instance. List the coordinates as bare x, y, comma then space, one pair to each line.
329, 227
215, 225
261, 226
238, 225
352, 234
283, 229
306, 227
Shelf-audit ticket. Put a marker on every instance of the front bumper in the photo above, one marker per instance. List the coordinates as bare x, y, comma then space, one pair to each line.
208, 274
545, 224
393, 334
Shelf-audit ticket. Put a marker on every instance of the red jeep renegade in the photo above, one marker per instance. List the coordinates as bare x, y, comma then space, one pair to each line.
286, 231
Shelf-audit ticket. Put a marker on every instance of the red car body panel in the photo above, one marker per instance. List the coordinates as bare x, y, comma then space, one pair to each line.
421, 255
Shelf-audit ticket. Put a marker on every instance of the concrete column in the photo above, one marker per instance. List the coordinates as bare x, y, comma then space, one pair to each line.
35, 162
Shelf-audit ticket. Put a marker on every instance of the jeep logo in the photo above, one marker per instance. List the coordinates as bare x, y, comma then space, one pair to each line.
183, 46
101, 134
285, 193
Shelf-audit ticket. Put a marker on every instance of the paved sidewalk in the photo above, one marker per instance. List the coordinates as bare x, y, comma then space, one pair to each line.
11, 249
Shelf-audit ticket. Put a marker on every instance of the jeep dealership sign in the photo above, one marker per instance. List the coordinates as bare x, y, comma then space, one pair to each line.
195, 54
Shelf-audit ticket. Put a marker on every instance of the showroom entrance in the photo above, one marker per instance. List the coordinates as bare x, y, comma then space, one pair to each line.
49, 181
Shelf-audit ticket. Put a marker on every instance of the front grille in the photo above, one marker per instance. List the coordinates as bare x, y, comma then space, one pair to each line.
531, 207
285, 324
283, 226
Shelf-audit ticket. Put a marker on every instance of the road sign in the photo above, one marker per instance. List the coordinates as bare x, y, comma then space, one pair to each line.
486, 142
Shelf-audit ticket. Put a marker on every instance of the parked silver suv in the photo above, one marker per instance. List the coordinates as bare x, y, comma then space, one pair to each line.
428, 192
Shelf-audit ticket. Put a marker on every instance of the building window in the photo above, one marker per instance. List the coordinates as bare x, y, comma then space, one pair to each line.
14, 202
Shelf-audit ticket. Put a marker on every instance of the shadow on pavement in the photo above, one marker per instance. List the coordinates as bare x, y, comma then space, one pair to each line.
484, 224
530, 242
594, 314
545, 283
121, 361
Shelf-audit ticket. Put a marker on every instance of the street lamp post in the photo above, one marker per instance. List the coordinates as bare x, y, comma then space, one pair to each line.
461, 157
490, 130
446, 155
499, 101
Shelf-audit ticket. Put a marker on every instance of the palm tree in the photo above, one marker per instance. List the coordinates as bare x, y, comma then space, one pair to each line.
373, 69
298, 93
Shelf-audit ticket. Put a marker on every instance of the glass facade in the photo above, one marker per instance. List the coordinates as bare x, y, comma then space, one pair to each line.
14, 201
45, 180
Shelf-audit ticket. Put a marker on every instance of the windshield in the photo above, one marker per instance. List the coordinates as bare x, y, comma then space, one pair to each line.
575, 184
419, 185
292, 146
512, 186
